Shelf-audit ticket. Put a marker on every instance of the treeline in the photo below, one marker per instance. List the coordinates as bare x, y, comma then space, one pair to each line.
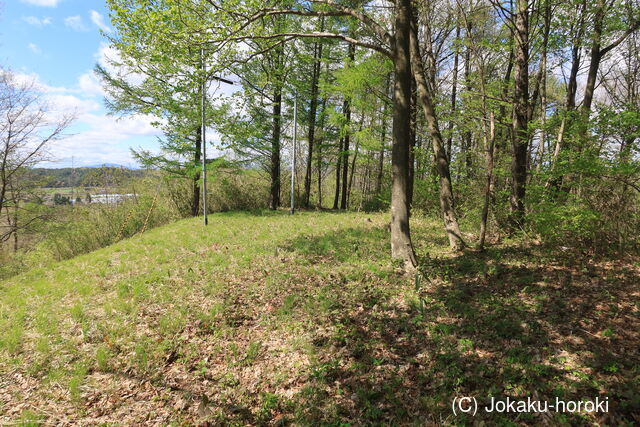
82, 176
516, 117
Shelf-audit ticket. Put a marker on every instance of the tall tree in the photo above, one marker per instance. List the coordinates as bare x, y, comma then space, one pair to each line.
163, 80
315, 79
520, 133
401, 245
442, 161
598, 51
230, 25
346, 139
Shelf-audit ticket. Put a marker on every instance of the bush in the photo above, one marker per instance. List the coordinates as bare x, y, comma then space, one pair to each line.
426, 195
595, 209
237, 189
94, 226
378, 203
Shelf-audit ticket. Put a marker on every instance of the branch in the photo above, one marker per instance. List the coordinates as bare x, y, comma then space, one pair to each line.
348, 39
634, 26
340, 11
365, 19
378, 29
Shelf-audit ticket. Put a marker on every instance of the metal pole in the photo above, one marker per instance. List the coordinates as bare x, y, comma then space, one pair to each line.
204, 140
295, 139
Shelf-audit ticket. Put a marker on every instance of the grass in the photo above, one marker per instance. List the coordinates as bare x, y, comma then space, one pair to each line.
263, 318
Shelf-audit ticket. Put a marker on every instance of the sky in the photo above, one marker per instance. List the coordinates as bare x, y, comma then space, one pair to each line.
57, 43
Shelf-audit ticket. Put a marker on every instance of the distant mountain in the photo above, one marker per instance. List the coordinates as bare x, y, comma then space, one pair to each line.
111, 165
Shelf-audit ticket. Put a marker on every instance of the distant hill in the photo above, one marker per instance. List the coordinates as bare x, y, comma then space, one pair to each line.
110, 165
70, 177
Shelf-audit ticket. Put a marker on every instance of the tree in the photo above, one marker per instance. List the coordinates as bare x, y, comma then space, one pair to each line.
315, 79
224, 25
442, 161
165, 80
604, 9
371, 34
520, 132
251, 122
27, 127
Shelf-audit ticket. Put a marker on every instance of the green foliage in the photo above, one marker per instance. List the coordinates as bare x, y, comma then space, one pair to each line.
377, 203
237, 189
425, 195
59, 199
69, 177
588, 202
90, 228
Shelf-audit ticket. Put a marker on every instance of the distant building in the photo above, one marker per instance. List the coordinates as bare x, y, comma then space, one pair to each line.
110, 198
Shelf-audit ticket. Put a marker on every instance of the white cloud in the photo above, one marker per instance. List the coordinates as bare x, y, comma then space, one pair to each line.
90, 85
38, 85
76, 23
88, 148
121, 128
34, 48
37, 22
98, 20
106, 141
105, 54
109, 58
46, 3
95, 137
61, 104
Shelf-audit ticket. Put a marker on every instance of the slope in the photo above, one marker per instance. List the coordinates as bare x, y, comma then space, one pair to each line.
267, 318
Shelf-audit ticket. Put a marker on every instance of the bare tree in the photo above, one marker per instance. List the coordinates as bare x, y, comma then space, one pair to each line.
27, 127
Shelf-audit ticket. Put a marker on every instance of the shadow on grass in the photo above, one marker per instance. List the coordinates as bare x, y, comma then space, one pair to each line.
493, 324
348, 245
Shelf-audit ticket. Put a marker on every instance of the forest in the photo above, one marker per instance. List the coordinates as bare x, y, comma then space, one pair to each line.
524, 114
406, 203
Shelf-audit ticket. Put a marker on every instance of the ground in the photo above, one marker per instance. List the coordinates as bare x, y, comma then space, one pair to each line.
270, 319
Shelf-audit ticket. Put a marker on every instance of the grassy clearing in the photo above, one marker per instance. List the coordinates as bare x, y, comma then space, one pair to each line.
270, 319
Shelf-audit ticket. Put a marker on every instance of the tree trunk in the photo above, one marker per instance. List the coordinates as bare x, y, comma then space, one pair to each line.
442, 162
489, 144
317, 54
572, 88
520, 137
366, 179
345, 157
418, 152
319, 152
197, 157
15, 226
274, 195
401, 245
336, 198
454, 90
467, 136
412, 142
596, 57
353, 165
345, 151
543, 84
383, 140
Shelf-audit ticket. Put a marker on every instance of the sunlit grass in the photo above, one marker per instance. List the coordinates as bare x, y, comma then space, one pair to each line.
304, 317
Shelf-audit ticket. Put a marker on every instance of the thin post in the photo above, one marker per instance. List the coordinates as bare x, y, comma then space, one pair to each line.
204, 139
293, 163
73, 182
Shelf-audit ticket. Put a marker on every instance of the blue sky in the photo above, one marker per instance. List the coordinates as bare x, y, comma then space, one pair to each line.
57, 43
